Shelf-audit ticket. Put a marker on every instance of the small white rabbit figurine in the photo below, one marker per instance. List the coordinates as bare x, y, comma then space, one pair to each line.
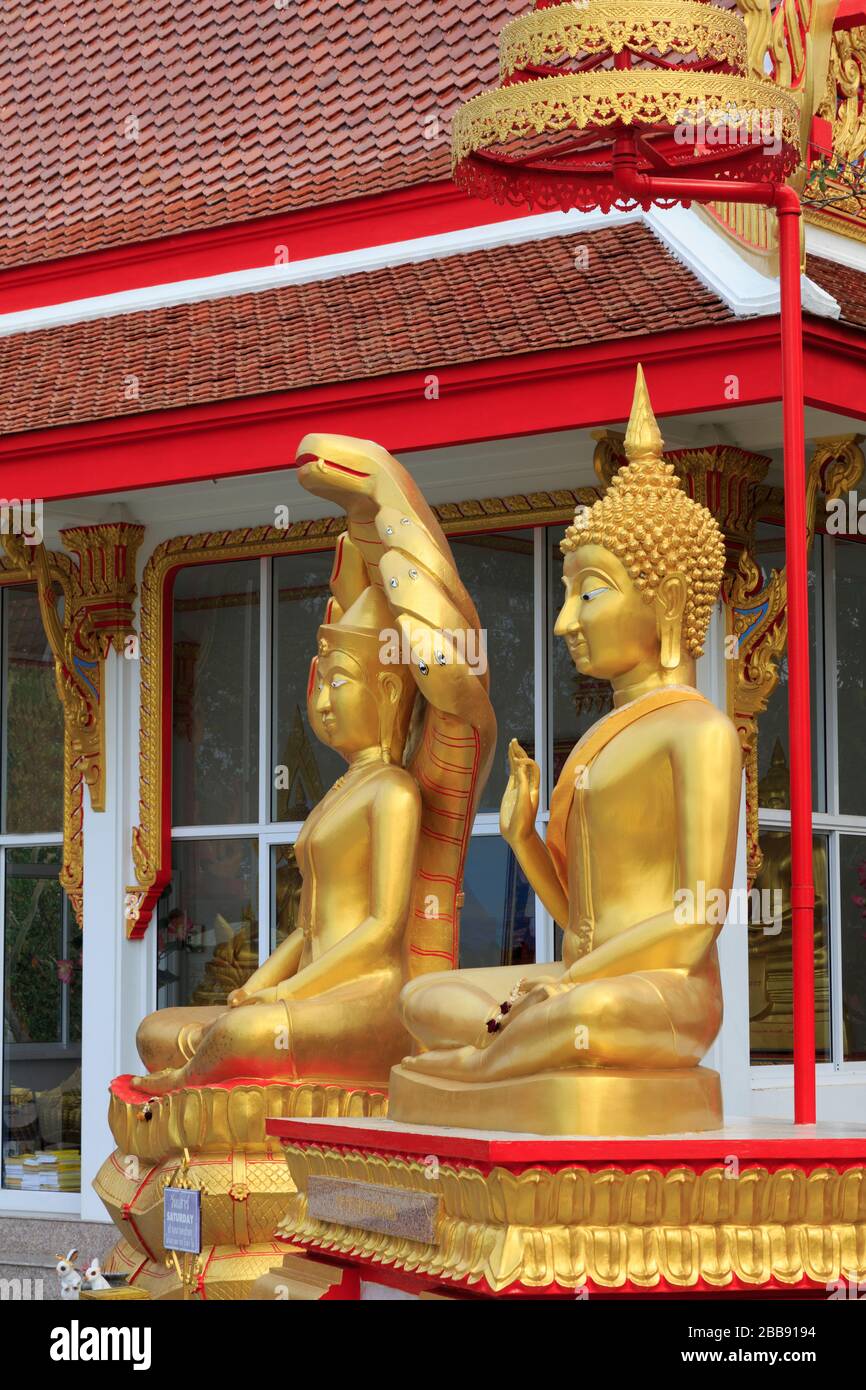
70, 1279
94, 1278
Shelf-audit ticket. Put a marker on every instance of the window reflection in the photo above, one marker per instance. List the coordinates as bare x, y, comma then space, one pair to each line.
207, 929
771, 997
41, 1027
773, 722
851, 674
215, 757
497, 570
853, 905
286, 883
33, 724
497, 923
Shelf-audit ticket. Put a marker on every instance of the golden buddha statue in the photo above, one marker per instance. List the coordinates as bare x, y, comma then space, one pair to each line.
643, 828
381, 855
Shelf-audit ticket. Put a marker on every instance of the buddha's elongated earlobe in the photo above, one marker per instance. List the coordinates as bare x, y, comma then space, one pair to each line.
389, 695
671, 599
669, 631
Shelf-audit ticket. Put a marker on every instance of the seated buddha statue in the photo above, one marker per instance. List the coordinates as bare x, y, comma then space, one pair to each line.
643, 828
389, 837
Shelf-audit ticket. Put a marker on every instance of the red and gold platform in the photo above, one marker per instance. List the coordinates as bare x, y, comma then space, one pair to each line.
754, 1209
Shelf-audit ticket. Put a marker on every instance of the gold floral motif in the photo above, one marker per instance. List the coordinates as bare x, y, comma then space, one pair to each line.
98, 593
604, 1227
554, 35
635, 97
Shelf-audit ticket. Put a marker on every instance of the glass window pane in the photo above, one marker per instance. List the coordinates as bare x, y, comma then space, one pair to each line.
851, 674
576, 701
498, 571
853, 912
303, 768
773, 745
215, 747
207, 929
770, 974
33, 734
41, 1027
497, 922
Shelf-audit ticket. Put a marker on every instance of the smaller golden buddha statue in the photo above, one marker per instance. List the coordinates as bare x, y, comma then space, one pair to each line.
643, 829
391, 691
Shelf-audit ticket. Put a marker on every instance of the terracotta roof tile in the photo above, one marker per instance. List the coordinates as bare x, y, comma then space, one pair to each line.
846, 285
341, 88
562, 292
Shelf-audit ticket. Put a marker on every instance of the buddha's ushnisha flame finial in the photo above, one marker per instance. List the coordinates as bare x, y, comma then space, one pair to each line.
643, 439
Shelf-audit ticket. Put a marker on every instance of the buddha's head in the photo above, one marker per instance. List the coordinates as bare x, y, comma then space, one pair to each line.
354, 700
642, 570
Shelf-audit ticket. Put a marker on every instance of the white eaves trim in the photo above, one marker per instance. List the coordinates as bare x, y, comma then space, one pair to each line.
712, 259
269, 277
706, 253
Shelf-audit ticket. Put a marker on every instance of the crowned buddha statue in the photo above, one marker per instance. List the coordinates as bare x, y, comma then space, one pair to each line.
643, 828
381, 854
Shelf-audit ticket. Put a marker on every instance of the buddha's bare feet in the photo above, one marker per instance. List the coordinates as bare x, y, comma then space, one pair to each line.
157, 1083
458, 1063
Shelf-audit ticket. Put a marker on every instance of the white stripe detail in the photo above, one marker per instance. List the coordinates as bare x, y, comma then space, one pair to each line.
269, 277
704, 252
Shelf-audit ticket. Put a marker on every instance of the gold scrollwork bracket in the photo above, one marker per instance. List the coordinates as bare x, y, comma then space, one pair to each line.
97, 598
758, 619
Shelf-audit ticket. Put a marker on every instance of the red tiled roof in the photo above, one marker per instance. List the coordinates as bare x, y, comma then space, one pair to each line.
847, 286
419, 317
123, 122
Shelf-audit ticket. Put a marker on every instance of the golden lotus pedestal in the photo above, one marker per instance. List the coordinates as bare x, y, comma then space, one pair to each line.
212, 1138
756, 1208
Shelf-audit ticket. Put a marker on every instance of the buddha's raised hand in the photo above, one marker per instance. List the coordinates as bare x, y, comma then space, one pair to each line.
519, 806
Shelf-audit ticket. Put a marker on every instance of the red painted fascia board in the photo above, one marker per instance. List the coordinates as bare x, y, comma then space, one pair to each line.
574, 388
423, 210
850, 14
449, 1143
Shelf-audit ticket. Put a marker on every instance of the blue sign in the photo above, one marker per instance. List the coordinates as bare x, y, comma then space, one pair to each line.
181, 1222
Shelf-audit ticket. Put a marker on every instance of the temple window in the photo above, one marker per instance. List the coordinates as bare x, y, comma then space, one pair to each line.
42, 942
837, 618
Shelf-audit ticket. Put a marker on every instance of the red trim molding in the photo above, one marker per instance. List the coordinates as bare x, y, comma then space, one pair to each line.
424, 210
575, 388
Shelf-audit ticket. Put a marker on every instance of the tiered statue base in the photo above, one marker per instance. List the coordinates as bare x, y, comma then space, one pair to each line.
245, 1183
594, 1101
759, 1208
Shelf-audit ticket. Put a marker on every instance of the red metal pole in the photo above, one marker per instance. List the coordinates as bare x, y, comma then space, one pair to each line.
787, 205
799, 723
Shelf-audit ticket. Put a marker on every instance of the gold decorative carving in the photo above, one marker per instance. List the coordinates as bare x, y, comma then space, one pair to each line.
633, 96
603, 1227
218, 1118
98, 593
758, 619
562, 32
